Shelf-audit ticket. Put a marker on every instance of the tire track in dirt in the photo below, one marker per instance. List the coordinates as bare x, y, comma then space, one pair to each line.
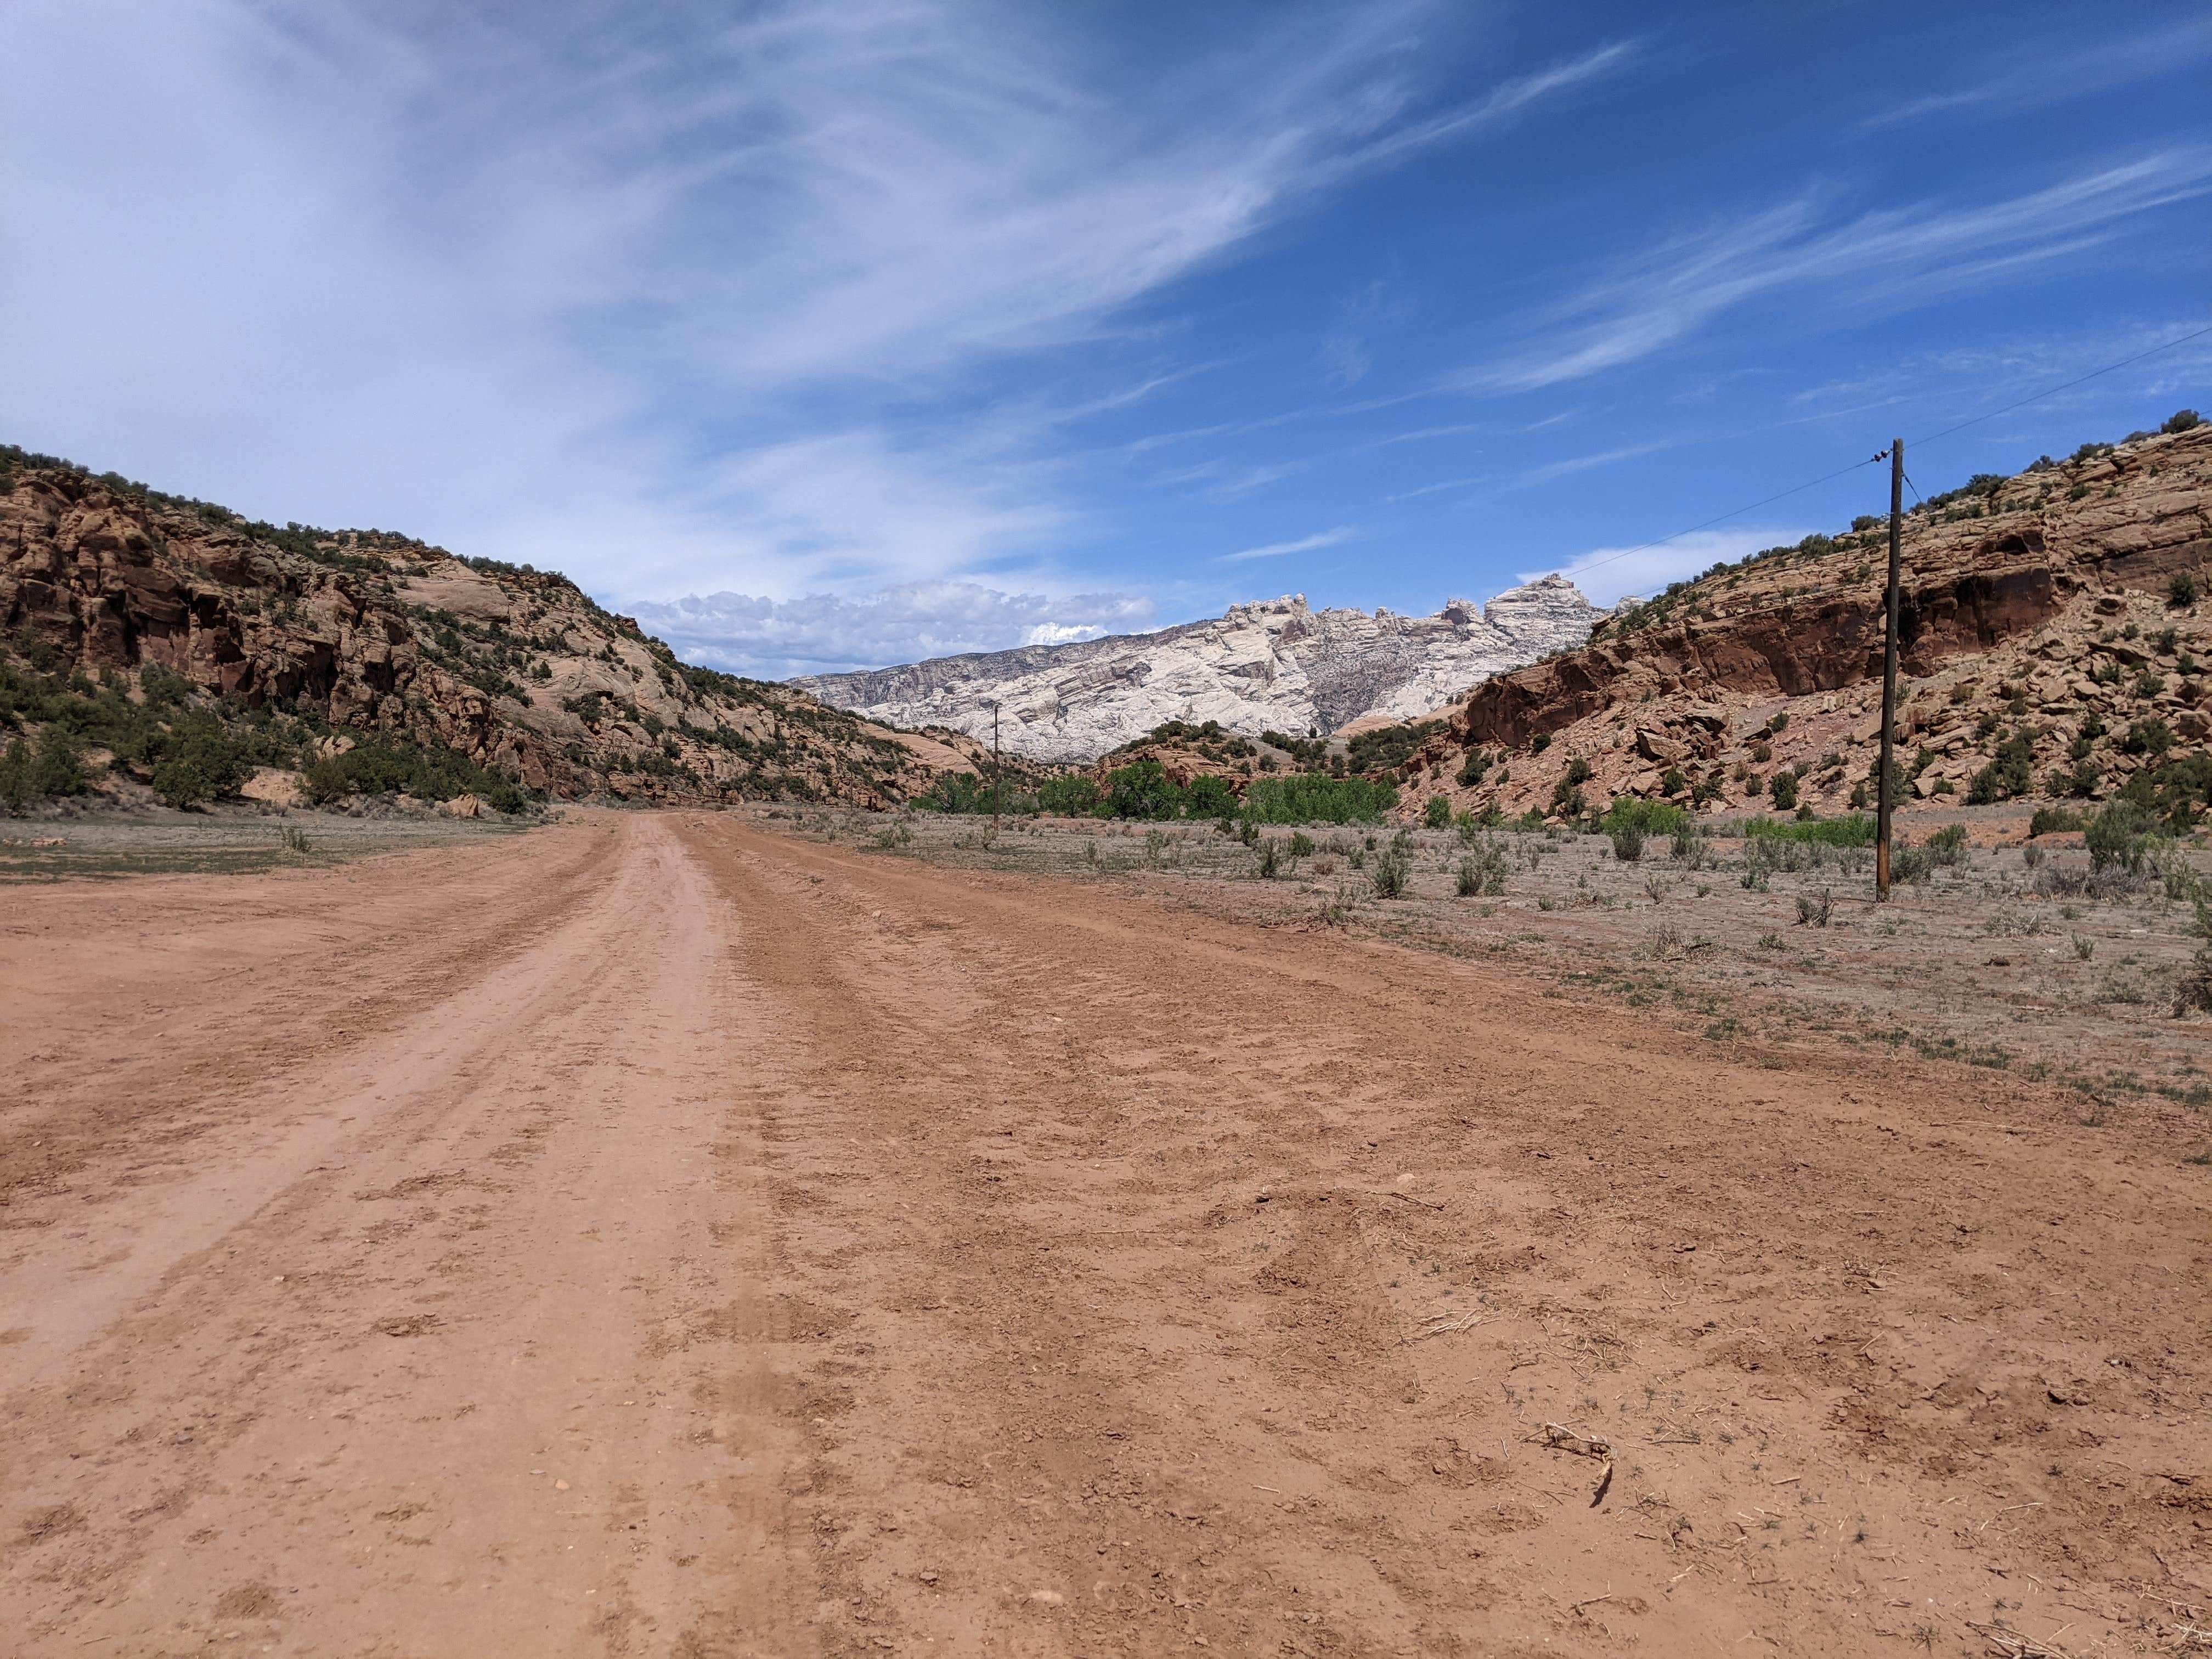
488, 1377
762, 1248
1079, 1355
178, 993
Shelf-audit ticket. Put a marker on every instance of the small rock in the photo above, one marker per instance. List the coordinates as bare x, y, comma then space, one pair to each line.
1045, 1598
560, 1486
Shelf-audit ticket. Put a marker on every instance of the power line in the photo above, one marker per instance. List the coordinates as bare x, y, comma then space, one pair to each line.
2062, 386
1795, 490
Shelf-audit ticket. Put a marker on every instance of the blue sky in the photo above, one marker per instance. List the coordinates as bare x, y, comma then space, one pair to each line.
824, 335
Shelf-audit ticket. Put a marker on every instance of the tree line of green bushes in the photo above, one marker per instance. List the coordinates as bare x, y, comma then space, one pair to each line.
1144, 791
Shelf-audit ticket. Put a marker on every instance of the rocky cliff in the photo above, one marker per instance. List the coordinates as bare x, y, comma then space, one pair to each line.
359, 637
2055, 643
1273, 666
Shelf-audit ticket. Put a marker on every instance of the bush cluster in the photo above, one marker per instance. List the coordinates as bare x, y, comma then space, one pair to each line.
426, 771
1317, 798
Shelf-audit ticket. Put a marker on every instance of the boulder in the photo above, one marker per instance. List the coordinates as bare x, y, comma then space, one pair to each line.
273, 786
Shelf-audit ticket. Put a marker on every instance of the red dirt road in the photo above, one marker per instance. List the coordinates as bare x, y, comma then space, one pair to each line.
647, 1235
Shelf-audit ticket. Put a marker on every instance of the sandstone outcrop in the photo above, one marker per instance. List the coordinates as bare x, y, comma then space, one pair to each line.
382, 636
2041, 608
1275, 665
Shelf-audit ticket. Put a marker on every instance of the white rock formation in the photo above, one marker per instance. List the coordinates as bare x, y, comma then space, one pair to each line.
1273, 666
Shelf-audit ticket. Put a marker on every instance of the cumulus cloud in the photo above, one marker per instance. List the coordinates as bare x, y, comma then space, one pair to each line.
1608, 574
823, 632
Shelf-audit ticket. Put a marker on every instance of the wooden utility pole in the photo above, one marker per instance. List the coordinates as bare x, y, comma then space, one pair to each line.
1883, 789
997, 773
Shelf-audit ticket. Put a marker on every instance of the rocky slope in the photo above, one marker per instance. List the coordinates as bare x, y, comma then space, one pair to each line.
361, 638
1276, 665
2054, 646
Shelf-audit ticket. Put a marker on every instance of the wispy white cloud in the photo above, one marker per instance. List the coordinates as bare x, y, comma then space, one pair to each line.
823, 633
2037, 74
1888, 257
1573, 463
678, 279
1501, 104
1434, 488
1304, 545
1609, 573
1344, 359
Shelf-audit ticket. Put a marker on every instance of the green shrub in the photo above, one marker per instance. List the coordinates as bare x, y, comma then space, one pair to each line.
1627, 842
2148, 737
2119, 837
324, 780
2177, 791
1271, 858
971, 793
16, 766
2050, 820
1317, 798
2182, 420
1654, 818
198, 762
1947, 846
1783, 786
1074, 797
1482, 871
1393, 865
428, 772
2181, 591
57, 771
1472, 769
1578, 772
1142, 790
1760, 861
1438, 813
1389, 746
1910, 864
1209, 797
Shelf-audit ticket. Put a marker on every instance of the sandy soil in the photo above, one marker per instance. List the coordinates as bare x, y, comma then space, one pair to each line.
653, 1235
1975, 964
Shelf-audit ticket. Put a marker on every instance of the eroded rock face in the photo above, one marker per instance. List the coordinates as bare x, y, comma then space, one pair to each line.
2043, 611
1970, 584
1272, 665
382, 635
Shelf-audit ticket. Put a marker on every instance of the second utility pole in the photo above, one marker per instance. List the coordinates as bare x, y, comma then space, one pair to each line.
997, 773
1882, 786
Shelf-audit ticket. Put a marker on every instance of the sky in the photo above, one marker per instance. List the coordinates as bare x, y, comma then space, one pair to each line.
825, 337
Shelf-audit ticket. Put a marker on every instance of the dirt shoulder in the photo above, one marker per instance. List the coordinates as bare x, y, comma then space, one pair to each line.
2005, 957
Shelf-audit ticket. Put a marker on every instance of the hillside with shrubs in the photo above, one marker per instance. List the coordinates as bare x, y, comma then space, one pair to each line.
155, 648
2056, 652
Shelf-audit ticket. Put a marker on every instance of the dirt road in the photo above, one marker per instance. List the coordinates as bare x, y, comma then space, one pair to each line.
648, 1236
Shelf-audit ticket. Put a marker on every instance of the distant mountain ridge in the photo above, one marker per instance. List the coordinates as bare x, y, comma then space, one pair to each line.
1274, 665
